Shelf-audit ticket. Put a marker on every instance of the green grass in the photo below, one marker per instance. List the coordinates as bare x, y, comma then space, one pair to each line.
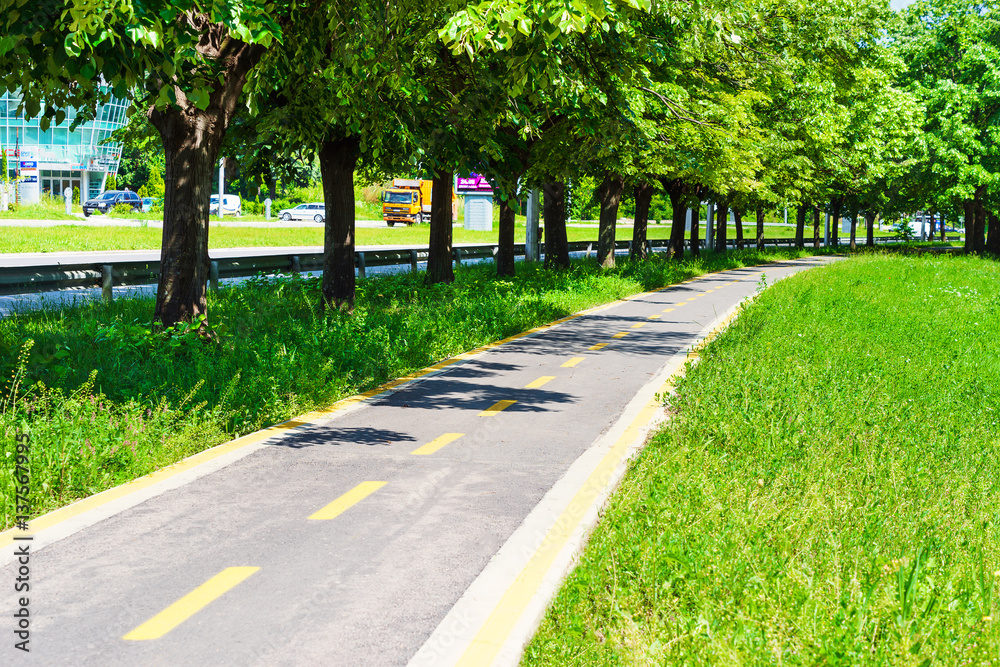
73, 237
44, 210
105, 401
825, 494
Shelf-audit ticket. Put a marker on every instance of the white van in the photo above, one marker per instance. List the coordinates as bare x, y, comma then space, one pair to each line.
231, 205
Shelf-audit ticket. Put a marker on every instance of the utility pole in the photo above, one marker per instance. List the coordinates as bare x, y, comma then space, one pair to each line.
710, 224
222, 182
532, 249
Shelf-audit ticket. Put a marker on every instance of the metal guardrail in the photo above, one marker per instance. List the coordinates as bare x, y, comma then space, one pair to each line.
52, 277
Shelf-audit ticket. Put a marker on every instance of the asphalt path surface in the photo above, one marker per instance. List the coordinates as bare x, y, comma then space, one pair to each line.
346, 542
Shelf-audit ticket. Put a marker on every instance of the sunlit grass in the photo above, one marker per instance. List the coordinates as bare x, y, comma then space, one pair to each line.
825, 494
83, 238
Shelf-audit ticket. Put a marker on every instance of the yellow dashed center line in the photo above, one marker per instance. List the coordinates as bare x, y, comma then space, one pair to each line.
692, 298
437, 443
343, 503
638, 325
653, 317
598, 346
496, 408
545, 379
620, 334
190, 604
668, 310
572, 362
678, 305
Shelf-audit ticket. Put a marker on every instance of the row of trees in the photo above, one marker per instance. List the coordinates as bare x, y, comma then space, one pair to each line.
748, 103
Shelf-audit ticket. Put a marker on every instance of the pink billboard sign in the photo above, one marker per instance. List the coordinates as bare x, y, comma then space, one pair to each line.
474, 183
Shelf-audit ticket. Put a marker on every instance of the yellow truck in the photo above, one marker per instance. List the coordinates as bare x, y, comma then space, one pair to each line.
408, 201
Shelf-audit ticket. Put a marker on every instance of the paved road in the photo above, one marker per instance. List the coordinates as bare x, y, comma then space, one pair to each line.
347, 541
14, 303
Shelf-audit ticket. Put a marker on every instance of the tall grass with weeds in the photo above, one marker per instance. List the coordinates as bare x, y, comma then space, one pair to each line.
826, 493
106, 400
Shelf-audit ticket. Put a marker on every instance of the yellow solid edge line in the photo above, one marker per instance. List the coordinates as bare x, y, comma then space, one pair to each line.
79, 507
497, 628
620, 334
598, 346
572, 362
436, 444
190, 604
491, 636
535, 384
346, 501
497, 407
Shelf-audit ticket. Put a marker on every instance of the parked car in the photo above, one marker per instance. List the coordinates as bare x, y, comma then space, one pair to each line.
149, 202
231, 205
312, 211
107, 201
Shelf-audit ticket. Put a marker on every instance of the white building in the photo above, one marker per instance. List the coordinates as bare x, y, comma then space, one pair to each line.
62, 158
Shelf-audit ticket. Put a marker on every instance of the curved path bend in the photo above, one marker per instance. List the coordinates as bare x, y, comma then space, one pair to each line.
428, 524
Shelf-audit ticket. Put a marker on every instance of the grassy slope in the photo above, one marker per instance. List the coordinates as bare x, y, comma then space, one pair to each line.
153, 400
826, 493
71, 237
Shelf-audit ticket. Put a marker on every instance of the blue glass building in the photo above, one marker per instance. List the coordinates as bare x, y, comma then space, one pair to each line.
64, 159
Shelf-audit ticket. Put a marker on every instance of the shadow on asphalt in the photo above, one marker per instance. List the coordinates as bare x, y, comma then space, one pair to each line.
363, 435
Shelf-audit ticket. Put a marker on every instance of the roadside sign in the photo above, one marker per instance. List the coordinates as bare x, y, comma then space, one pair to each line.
474, 183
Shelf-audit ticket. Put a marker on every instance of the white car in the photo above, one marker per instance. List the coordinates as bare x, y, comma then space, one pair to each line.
311, 211
231, 205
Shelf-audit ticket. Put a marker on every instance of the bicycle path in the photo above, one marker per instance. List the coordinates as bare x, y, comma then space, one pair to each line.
415, 525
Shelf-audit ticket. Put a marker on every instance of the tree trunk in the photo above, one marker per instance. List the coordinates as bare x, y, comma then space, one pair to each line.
993, 234
554, 212
440, 267
870, 227
643, 196
738, 219
721, 225
836, 205
191, 140
338, 158
816, 217
760, 228
969, 210
505, 241
190, 162
677, 220
979, 243
855, 212
941, 226
610, 193
800, 226
930, 230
